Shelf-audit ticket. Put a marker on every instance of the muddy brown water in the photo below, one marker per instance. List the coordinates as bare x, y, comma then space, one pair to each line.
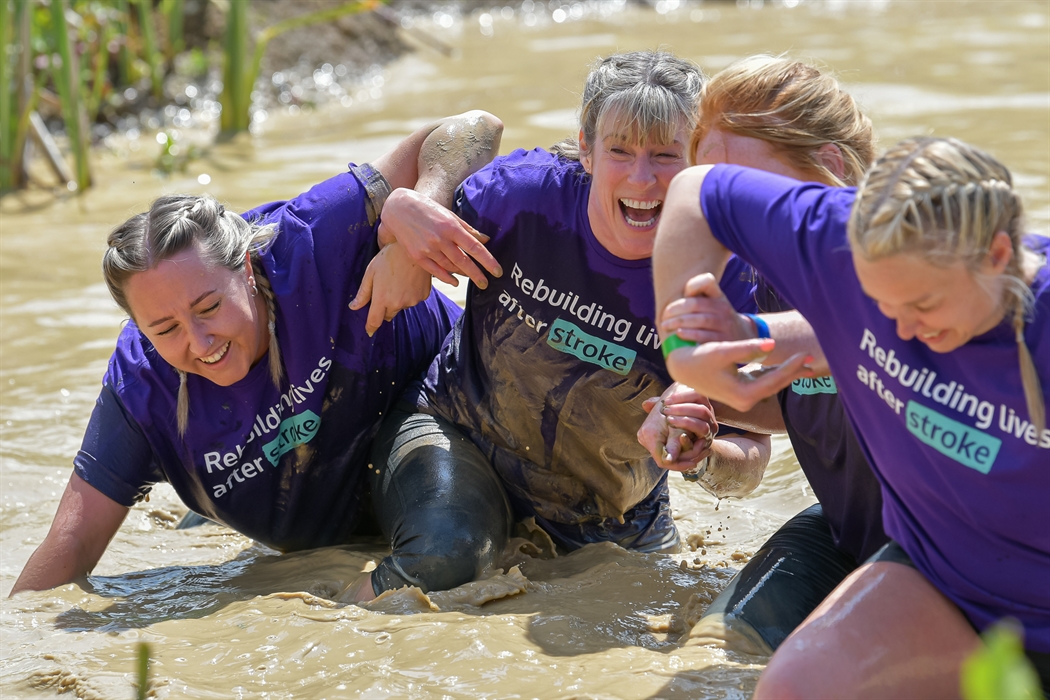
229, 618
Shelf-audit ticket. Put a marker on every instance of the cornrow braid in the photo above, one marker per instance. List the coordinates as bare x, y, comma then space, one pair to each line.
263, 283
182, 404
946, 200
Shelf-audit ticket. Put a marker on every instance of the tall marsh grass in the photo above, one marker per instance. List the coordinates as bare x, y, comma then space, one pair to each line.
89, 52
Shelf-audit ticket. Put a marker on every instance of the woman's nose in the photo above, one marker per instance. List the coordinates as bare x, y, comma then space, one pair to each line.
200, 340
906, 326
641, 172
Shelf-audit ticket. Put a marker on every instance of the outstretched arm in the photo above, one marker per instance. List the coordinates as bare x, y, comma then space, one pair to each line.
418, 234
687, 262
82, 529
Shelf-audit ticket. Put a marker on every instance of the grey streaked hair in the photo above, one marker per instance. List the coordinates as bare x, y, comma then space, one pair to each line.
649, 94
173, 224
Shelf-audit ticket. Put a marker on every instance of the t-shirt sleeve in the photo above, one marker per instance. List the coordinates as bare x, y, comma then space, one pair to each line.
792, 233
324, 231
115, 457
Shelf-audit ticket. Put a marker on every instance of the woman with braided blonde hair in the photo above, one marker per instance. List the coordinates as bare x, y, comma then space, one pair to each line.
786, 117
246, 381
933, 310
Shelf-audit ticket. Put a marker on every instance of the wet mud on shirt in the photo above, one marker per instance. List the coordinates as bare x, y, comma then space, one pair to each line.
284, 465
964, 473
549, 366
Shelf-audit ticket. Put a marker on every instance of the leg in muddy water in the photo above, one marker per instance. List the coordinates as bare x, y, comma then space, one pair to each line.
886, 632
783, 583
439, 502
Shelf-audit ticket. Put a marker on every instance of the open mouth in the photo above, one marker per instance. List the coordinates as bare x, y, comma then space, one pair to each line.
932, 336
641, 213
212, 359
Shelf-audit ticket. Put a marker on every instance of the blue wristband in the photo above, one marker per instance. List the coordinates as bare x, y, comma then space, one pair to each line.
761, 326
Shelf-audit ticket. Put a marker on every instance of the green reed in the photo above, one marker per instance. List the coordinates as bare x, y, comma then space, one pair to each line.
142, 685
69, 91
173, 11
149, 46
239, 78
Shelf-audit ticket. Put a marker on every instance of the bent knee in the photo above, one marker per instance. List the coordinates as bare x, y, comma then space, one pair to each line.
440, 560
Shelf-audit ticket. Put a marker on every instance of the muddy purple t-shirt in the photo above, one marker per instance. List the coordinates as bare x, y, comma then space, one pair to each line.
283, 466
965, 476
549, 366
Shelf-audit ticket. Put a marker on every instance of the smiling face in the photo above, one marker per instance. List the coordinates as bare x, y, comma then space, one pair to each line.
201, 317
629, 183
942, 306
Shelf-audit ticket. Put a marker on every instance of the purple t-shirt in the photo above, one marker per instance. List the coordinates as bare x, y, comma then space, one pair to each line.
829, 454
283, 466
965, 477
548, 368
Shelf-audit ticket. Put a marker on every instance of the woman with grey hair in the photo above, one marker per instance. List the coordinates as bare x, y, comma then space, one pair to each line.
546, 376
245, 381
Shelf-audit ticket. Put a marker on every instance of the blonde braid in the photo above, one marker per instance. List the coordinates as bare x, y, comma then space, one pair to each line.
182, 404
261, 281
946, 200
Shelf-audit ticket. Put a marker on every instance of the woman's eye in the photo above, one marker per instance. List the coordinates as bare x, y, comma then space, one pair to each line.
211, 308
167, 331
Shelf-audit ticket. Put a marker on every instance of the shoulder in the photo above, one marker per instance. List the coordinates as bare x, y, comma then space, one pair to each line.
734, 186
330, 217
523, 172
338, 202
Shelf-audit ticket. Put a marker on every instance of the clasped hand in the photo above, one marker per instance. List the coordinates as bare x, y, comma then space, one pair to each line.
726, 341
419, 240
680, 429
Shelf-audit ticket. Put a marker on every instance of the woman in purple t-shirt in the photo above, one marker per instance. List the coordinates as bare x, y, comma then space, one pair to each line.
245, 381
930, 306
784, 116
548, 372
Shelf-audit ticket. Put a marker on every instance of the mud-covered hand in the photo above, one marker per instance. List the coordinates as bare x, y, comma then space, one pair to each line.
392, 282
679, 429
436, 239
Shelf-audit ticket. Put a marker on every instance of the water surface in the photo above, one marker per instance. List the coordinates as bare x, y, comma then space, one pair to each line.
228, 618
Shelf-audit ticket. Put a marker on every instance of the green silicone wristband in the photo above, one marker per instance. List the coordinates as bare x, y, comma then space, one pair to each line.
673, 342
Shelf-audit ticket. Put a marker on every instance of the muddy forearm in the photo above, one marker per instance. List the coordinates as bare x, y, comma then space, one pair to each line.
736, 465
457, 148
85, 523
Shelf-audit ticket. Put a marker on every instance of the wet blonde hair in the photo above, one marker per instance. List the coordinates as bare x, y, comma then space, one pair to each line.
648, 94
794, 107
173, 224
945, 200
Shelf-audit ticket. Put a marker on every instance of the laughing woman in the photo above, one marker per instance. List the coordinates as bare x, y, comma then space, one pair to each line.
244, 381
547, 373
930, 306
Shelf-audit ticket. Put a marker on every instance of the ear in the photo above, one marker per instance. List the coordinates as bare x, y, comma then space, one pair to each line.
1000, 253
830, 156
585, 153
